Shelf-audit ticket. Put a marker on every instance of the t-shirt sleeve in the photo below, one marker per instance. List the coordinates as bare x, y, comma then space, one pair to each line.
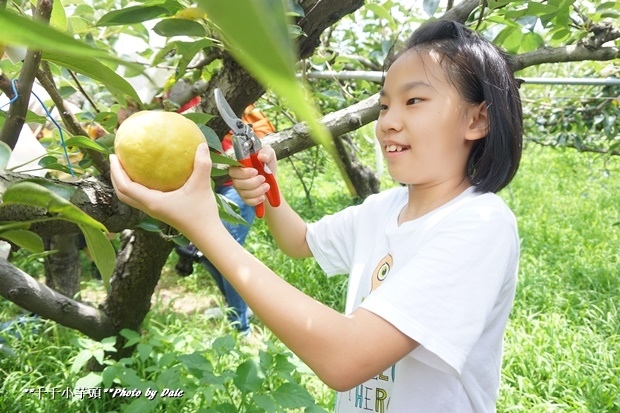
331, 240
443, 295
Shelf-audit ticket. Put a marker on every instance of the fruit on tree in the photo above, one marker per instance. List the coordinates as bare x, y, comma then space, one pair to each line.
157, 149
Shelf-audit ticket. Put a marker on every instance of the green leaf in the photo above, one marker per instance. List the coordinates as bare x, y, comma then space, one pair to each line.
132, 337
265, 402
109, 344
63, 190
531, 41
151, 224
267, 52
292, 396
381, 12
18, 30
36, 195
5, 155
24, 239
142, 405
108, 120
179, 27
101, 250
249, 378
130, 378
90, 381
196, 364
58, 19
430, 7
108, 375
224, 160
94, 69
223, 345
199, 118
50, 162
131, 15
493, 4
212, 140
87, 143
144, 351
227, 213
80, 360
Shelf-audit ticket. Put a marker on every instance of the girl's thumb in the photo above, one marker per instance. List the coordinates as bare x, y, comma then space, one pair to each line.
202, 163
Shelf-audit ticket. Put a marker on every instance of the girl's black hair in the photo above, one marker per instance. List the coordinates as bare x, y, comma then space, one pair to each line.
481, 72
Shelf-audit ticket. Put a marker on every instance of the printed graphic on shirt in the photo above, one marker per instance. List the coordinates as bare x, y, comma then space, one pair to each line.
381, 272
371, 396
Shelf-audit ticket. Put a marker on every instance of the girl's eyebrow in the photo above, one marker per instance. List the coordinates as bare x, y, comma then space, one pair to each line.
407, 87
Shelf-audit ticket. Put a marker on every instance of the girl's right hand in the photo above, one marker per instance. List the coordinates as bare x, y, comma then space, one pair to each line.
249, 184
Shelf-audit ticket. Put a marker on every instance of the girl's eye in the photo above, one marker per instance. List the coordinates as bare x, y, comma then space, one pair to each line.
413, 101
382, 107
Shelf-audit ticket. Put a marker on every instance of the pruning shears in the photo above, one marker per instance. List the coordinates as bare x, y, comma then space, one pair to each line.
246, 145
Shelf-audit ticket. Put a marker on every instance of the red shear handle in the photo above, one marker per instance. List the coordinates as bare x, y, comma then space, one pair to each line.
273, 195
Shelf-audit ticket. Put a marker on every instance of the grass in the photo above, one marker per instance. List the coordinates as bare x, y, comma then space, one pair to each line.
563, 338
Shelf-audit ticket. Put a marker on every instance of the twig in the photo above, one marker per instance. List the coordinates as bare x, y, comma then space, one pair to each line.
81, 89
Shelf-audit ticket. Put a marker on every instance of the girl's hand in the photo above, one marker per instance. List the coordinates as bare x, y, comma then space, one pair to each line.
249, 184
182, 208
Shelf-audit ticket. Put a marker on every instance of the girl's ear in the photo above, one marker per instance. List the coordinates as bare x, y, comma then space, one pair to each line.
479, 122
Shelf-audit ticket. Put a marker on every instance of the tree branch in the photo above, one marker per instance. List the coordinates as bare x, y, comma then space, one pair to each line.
574, 53
44, 77
17, 113
28, 293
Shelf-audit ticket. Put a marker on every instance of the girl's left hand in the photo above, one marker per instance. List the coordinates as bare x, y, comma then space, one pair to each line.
183, 208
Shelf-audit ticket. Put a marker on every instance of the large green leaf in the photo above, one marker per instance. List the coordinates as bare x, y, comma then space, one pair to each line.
87, 143
93, 68
33, 194
24, 239
62, 190
5, 155
101, 250
131, 15
249, 377
179, 27
36, 195
256, 33
18, 30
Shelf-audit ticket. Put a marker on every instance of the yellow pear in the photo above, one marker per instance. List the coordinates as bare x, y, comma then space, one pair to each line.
157, 148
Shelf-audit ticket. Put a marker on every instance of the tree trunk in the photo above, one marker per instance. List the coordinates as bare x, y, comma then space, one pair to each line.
140, 260
363, 178
63, 269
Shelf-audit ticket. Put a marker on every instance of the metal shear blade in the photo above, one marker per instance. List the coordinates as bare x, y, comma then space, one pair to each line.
227, 113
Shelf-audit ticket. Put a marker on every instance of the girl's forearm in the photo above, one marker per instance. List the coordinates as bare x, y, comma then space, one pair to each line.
340, 349
288, 230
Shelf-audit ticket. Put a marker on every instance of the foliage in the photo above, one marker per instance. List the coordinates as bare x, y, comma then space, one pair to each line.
582, 117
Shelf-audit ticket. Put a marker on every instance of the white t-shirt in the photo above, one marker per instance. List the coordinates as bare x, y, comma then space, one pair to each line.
447, 280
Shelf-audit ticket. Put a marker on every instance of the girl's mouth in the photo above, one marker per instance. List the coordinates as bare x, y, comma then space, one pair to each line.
396, 148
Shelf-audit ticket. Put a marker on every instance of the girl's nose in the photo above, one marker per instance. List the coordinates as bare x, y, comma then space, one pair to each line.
389, 120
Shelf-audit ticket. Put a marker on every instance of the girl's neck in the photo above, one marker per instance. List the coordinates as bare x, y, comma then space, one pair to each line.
425, 199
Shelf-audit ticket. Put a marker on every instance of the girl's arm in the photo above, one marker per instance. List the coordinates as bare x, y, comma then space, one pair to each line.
344, 351
286, 226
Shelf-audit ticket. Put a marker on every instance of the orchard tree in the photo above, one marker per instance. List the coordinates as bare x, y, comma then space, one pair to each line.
75, 52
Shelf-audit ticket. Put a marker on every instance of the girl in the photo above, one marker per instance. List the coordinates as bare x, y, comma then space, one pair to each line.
432, 265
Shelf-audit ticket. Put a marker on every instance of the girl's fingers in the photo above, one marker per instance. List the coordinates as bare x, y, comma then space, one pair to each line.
201, 176
253, 196
240, 173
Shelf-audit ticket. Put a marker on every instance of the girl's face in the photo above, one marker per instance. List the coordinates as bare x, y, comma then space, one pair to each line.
425, 128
